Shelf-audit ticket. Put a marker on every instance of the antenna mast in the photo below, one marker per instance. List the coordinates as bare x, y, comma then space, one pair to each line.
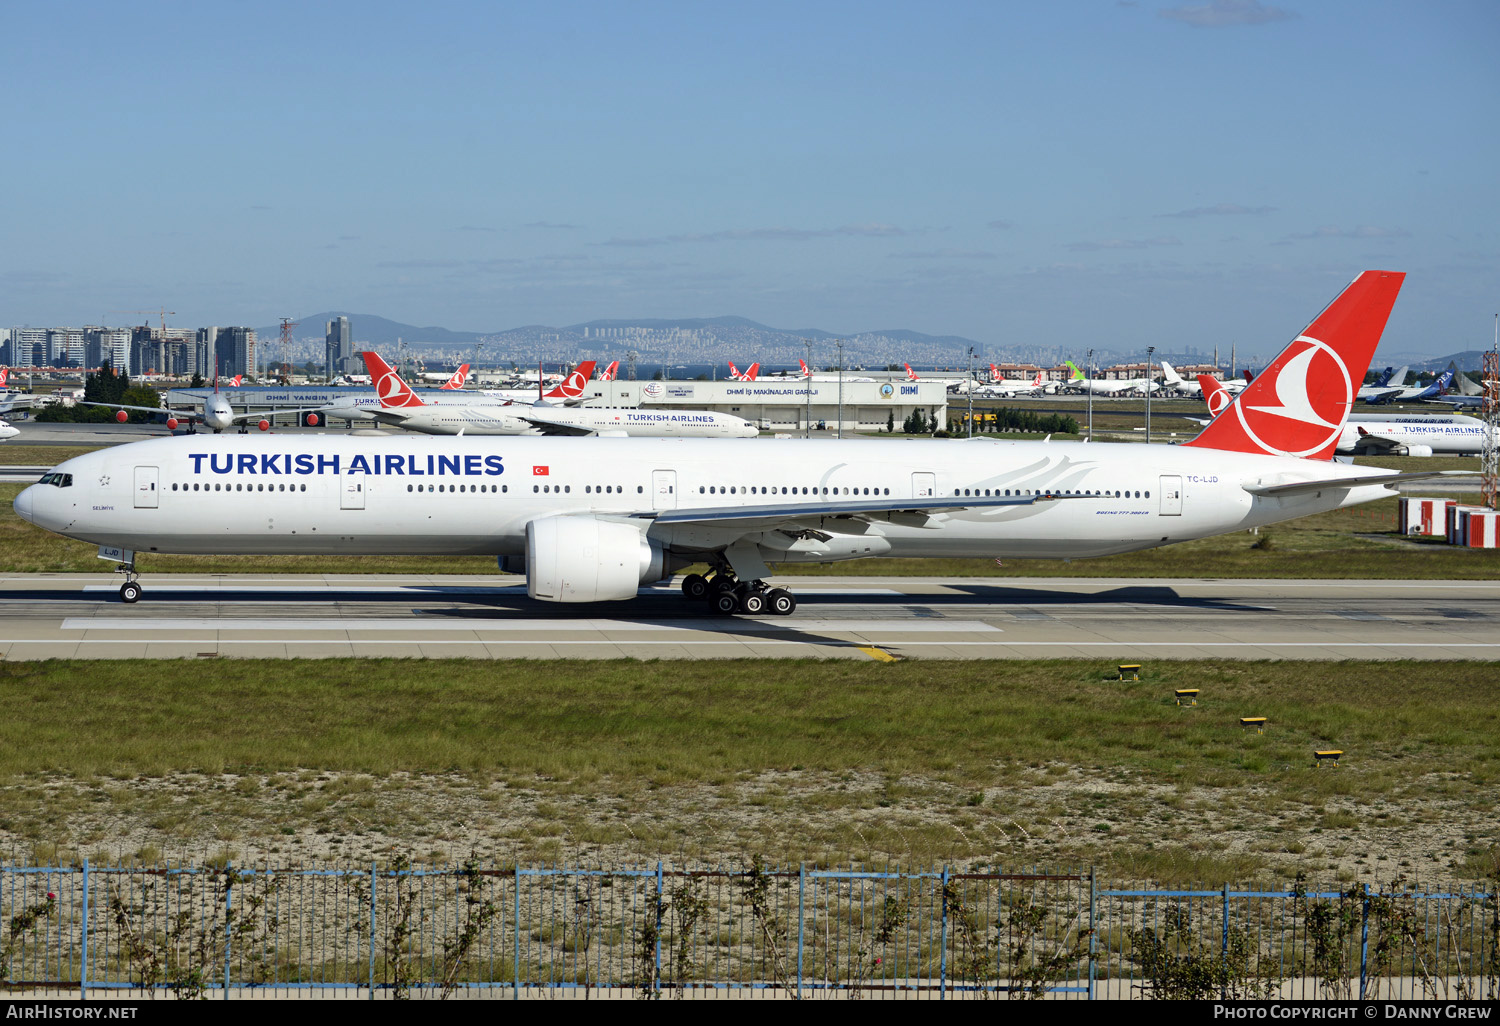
287, 324
1490, 456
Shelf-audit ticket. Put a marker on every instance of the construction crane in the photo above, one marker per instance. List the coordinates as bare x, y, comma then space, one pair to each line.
165, 313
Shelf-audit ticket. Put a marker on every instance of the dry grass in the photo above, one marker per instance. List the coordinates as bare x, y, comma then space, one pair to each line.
918, 763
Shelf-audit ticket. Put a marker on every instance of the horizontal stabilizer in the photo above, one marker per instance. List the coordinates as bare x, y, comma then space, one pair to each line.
1329, 483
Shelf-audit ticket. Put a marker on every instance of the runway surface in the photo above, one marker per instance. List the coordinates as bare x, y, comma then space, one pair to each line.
274, 616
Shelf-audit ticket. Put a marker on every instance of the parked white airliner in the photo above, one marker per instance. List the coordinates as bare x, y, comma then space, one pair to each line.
592, 520
400, 407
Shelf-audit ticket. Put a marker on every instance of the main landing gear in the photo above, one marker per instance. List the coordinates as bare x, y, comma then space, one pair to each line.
130, 591
730, 596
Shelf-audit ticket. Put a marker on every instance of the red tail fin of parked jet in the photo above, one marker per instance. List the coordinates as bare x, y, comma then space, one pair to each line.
460, 377
608, 374
752, 372
4, 373
573, 385
388, 384
806, 370
234, 382
911, 375
1214, 394
1297, 405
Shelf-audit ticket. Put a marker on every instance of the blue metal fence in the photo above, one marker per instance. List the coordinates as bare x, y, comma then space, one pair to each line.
658, 931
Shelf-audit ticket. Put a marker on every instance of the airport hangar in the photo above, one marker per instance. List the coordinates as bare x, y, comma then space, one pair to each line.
773, 404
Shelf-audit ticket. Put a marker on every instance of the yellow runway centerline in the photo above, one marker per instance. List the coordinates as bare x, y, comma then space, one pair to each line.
878, 654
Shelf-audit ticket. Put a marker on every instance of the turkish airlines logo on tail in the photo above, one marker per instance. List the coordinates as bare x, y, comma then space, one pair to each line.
4, 373
389, 387
1302, 420
574, 384
1215, 394
1297, 406
459, 379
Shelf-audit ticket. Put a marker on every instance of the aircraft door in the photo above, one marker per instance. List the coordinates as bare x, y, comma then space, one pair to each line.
145, 487
1171, 496
664, 489
923, 486
351, 491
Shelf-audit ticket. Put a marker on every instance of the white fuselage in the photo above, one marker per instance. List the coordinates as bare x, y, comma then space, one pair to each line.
7, 431
358, 407
1442, 433
420, 495
513, 420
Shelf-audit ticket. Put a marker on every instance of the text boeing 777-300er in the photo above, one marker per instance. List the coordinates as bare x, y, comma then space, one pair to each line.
594, 519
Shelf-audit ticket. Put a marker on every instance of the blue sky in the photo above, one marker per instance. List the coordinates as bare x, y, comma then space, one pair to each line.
1071, 174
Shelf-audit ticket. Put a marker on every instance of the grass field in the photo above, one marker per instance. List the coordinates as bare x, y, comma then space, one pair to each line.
1354, 543
1032, 763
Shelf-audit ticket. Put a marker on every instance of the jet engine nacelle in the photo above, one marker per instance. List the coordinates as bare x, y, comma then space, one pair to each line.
585, 559
1419, 450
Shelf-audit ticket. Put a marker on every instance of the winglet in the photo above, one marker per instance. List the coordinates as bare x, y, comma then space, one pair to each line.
1298, 404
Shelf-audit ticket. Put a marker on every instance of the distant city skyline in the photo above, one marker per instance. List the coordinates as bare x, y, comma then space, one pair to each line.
1103, 175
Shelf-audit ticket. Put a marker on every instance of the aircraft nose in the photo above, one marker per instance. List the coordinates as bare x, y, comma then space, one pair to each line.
23, 504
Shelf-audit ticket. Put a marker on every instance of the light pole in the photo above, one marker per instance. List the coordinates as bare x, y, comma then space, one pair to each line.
840, 345
971, 391
807, 383
478, 352
1149, 383
632, 356
1090, 362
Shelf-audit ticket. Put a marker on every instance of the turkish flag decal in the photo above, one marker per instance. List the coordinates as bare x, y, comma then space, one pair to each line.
539, 471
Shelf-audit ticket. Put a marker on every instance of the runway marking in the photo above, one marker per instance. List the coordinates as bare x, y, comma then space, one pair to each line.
472, 624
879, 654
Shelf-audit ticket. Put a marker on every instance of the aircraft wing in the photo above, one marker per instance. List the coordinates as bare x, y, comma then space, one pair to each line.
145, 409
1325, 484
272, 414
550, 425
1372, 443
811, 514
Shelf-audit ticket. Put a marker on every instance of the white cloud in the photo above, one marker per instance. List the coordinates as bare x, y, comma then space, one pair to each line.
1222, 13
1220, 209
1103, 244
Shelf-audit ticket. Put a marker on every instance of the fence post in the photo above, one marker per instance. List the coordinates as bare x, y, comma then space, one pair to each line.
801, 920
943, 944
1093, 935
515, 993
228, 921
83, 964
1364, 940
374, 882
1224, 948
656, 979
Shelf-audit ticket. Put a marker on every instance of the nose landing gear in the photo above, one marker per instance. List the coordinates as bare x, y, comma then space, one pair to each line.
130, 591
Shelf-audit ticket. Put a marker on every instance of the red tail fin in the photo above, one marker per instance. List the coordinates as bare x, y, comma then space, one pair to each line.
574, 384
910, 374
1214, 394
388, 384
734, 372
460, 377
806, 371
752, 372
1297, 405
609, 372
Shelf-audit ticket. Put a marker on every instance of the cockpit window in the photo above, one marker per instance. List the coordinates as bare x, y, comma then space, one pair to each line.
59, 480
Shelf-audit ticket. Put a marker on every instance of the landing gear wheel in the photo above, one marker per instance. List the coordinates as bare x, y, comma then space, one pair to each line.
721, 583
130, 592
727, 602
753, 602
781, 602
695, 587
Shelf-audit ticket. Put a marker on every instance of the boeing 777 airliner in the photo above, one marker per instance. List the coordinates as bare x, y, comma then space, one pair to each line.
593, 519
